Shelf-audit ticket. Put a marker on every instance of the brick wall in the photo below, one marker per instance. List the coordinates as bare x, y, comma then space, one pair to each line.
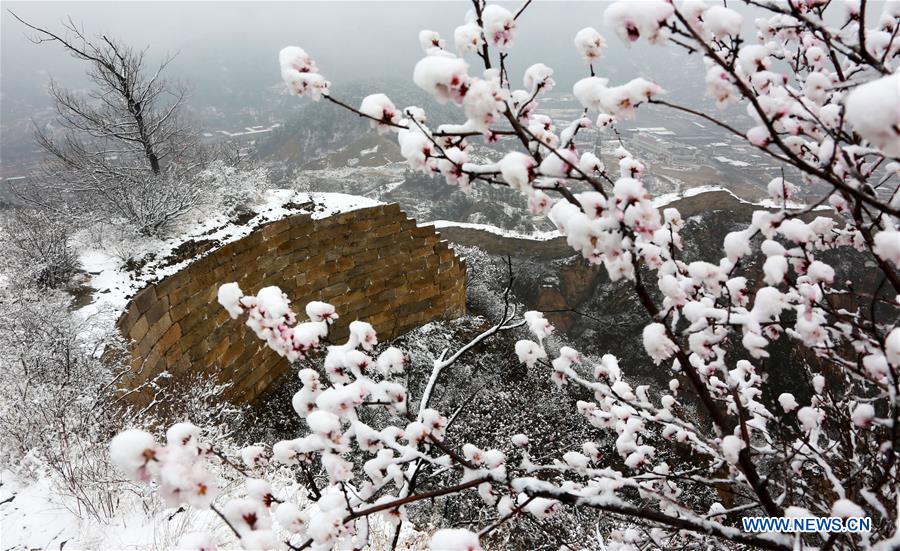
373, 264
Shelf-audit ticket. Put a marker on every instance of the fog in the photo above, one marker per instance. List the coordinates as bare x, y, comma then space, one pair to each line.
227, 51
231, 47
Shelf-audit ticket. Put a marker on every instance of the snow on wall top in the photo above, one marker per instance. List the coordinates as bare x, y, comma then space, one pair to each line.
659, 202
373, 264
114, 284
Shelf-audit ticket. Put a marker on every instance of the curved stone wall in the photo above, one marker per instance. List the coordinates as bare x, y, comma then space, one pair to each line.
373, 264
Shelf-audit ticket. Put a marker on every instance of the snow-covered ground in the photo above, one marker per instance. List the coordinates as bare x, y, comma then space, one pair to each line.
36, 516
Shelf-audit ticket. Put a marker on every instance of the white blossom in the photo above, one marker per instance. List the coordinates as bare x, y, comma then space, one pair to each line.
874, 111
446, 78
499, 26
130, 451
467, 37
657, 344
589, 44
454, 539
383, 112
731, 447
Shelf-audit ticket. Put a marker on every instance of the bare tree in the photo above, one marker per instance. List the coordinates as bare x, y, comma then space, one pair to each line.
123, 147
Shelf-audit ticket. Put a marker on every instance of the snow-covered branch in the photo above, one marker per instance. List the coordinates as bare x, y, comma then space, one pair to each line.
823, 96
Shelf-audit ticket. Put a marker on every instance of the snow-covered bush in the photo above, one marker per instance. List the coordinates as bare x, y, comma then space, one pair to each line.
821, 91
232, 189
56, 397
38, 249
60, 399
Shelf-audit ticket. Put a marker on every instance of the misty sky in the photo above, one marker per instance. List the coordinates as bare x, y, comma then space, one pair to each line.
234, 45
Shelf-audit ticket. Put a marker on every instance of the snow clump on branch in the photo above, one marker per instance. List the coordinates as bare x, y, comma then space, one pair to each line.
299, 72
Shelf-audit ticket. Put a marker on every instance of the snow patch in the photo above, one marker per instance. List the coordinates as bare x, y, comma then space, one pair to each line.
731, 162
534, 236
39, 518
387, 188
668, 198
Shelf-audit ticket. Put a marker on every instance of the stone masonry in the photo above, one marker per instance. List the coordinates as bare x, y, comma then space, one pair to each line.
373, 264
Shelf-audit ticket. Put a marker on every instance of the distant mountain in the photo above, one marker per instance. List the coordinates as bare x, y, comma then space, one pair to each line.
369, 151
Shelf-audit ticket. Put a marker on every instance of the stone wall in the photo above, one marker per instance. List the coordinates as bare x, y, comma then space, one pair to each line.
373, 264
